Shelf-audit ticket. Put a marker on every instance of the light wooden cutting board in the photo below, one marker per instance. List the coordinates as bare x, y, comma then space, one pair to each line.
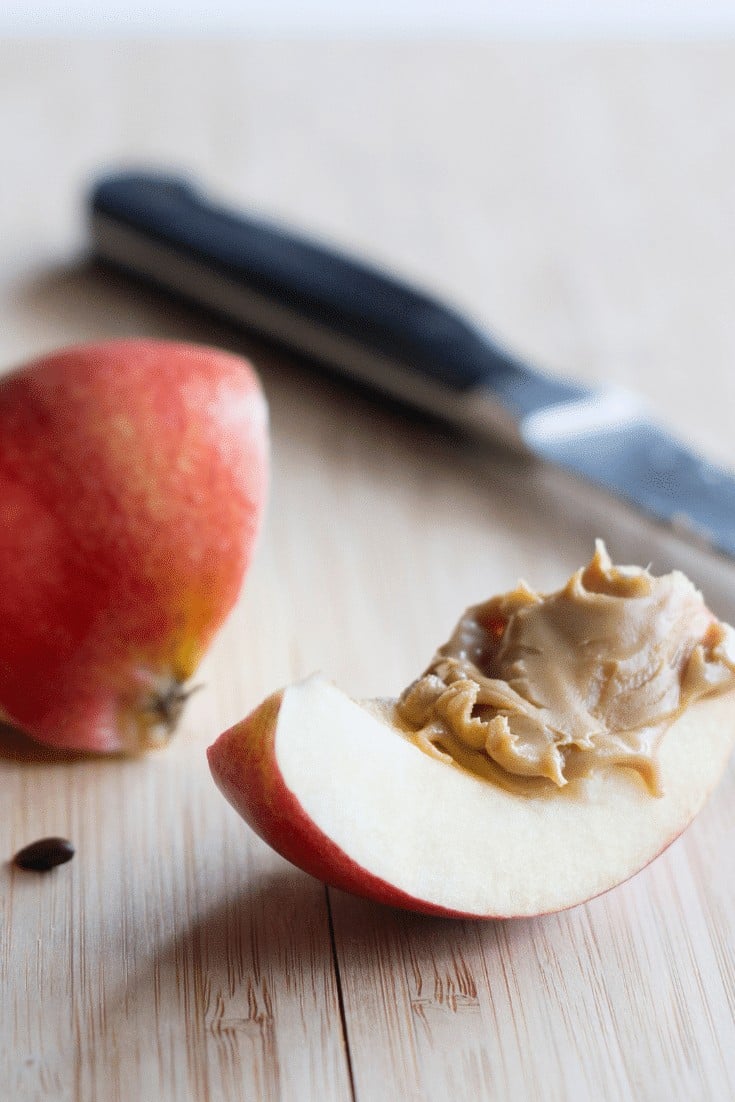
578, 198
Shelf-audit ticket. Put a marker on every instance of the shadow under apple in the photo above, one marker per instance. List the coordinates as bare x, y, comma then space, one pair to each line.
17, 746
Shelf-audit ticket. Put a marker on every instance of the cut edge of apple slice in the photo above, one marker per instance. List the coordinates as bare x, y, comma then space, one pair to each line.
340, 793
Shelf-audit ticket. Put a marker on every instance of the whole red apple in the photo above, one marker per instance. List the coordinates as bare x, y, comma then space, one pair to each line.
133, 477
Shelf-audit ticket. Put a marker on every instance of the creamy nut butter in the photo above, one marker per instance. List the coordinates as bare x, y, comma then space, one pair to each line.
537, 688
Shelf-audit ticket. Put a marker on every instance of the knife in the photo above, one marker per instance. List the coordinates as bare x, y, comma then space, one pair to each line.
379, 330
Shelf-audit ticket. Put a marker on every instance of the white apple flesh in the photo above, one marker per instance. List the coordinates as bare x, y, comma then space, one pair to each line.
339, 791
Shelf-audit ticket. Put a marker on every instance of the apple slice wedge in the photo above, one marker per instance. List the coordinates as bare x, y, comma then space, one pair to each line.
336, 788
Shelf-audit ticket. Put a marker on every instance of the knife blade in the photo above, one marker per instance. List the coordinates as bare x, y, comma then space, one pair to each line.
370, 325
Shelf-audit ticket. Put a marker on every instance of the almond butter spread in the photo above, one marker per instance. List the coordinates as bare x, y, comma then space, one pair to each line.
535, 688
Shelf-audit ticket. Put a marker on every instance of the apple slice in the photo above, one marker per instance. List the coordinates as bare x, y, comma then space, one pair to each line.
338, 789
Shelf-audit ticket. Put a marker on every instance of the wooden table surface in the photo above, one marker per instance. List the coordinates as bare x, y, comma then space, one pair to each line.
581, 200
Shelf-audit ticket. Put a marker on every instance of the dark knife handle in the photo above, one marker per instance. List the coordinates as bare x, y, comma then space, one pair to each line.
306, 295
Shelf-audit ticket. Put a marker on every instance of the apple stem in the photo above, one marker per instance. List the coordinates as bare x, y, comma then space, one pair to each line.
168, 705
158, 717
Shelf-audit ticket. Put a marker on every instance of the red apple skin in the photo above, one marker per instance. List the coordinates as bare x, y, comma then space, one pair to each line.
133, 477
245, 769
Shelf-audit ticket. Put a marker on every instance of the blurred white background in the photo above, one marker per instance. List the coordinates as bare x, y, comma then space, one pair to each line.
552, 18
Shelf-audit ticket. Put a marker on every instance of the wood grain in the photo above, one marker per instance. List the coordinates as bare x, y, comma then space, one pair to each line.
580, 199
